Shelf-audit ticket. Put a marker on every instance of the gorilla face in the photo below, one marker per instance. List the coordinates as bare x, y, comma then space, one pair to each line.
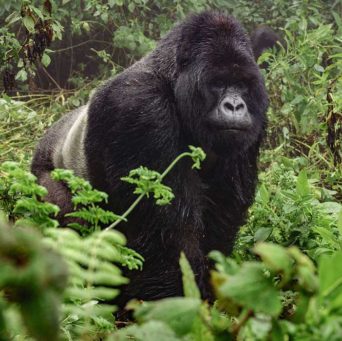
230, 112
233, 112
221, 91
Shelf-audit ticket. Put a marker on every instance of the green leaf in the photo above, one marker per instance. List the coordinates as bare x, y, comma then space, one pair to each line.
46, 60
29, 23
300, 258
303, 188
262, 234
12, 18
330, 277
151, 331
307, 279
275, 258
319, 68
111, 3
263, 194
224, 264
86, 26
38, 12
189, 284
339, 222
85, 294
131, 7
57, 30
21, 75
328, 236
20, 63
197, 155
252, 289
277, 332
148, 181
331, 207
179, 313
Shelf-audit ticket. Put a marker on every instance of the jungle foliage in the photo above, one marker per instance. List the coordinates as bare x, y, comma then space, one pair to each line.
284, 278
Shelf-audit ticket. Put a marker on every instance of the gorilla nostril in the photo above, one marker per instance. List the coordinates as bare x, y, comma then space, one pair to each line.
228, 106
239, 106
233, 106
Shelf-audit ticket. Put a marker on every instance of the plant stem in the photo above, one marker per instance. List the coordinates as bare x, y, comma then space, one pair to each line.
173, 163
136, 202
130, 209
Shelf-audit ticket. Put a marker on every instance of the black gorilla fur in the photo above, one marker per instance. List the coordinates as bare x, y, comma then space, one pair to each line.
147, 116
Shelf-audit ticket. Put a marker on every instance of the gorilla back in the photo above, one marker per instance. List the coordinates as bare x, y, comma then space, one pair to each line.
200, 86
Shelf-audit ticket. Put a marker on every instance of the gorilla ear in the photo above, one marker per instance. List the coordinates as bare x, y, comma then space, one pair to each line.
183, 57
182, 62
184, 49
263, 38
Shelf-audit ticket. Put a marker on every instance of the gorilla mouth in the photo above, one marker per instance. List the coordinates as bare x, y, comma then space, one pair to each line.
234, 129
229, 122
225, 130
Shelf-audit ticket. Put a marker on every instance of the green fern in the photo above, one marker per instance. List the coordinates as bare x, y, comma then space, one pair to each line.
94, 274
21, 198
93, 258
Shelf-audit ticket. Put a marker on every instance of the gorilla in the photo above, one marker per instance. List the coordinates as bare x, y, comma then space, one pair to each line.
201, 86
263, 38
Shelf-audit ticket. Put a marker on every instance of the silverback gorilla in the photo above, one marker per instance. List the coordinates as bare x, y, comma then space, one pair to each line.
200, 86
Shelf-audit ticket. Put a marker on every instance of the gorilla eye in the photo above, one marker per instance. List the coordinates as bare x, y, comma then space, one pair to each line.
241, 85
218, 83
183, 63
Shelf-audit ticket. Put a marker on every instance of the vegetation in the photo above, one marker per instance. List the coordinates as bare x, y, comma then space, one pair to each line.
284, 278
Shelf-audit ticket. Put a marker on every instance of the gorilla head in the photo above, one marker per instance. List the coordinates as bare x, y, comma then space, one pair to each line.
219, 89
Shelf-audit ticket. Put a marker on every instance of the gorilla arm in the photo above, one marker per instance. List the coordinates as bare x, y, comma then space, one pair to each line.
128, 132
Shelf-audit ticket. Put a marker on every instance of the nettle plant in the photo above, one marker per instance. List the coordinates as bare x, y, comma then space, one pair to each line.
280, 296
278, 293
304, 79
291, 208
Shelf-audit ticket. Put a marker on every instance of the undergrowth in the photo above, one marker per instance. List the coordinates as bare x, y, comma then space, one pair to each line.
90, 257
284, 278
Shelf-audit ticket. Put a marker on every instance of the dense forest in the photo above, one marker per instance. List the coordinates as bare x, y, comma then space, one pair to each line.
283, 279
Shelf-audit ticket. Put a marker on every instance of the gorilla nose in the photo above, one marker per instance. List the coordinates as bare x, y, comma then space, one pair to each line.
233, 106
